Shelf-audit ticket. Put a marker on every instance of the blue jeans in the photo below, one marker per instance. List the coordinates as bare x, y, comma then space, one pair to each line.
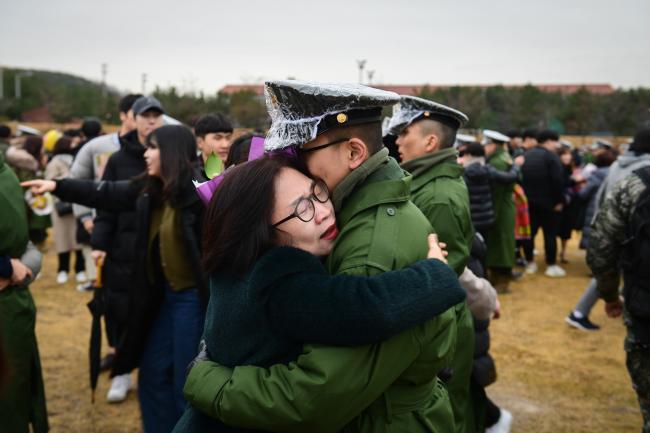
172, 344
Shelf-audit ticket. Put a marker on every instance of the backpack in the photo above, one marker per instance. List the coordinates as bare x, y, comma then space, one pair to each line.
635, 260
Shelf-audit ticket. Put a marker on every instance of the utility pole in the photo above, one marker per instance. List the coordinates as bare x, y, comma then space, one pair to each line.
361, 64
17, 83
104, 73
144, 83
2, 84
370, 75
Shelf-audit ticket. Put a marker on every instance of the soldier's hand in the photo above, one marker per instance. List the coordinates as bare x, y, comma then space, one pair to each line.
21, 272
614, 309
436, 249
520, 160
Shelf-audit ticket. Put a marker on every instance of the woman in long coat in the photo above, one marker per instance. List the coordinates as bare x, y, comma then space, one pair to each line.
64, 223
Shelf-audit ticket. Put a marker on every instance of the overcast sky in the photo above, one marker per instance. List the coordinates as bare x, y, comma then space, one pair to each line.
203, 45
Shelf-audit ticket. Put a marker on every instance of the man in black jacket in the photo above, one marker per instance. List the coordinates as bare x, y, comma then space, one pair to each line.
114, 232
543, 182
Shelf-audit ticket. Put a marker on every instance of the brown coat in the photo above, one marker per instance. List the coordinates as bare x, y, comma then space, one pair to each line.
64, 227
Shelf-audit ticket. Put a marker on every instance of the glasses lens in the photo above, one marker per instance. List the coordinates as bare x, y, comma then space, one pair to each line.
321, 193
305, 210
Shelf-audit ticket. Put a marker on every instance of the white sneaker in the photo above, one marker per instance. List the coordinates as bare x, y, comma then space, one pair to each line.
81, 277
554, 271
531, 268
503, 425
62, 277
120, 387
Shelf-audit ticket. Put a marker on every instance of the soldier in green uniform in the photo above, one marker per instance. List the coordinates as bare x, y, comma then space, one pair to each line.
426, 133
337, 131
22, 394
501, 237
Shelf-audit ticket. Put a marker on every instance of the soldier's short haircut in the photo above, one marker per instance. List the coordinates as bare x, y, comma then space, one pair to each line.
369, 133
446, 135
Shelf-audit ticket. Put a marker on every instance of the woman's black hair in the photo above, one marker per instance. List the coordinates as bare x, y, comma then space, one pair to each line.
33, 145
237, 226
63, 146
239, 149
177, 163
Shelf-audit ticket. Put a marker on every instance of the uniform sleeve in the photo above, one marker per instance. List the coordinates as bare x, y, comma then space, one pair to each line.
606, 239
450, 231
354, 310
504, 177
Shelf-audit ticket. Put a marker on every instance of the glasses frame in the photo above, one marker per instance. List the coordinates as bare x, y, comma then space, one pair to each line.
310, 199
322, 146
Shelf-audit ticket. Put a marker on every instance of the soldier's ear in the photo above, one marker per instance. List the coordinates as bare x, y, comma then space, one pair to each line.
432, 143
356, 152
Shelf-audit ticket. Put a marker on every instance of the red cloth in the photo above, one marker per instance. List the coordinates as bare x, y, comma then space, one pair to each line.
522, 218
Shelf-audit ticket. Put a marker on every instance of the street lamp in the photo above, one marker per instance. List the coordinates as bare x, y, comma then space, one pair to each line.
361, 64
370, 75
17, 84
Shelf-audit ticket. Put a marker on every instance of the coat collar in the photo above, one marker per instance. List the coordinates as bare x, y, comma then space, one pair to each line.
388, 184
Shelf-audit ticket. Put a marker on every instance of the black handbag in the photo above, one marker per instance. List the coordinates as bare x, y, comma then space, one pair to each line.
63, 208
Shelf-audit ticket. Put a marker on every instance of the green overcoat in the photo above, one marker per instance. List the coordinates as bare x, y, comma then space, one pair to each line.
439, 190
501, 237
392, 385
22, 399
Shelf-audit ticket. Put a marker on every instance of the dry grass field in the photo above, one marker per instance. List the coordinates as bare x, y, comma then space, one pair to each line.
551, 377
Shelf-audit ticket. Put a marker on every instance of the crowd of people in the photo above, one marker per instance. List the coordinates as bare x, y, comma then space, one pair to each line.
343, 279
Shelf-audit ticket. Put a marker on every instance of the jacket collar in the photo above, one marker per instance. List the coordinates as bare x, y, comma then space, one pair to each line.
387, 184
444, 165
130, 143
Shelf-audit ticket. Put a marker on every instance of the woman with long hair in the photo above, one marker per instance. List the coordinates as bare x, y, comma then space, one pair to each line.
166, 308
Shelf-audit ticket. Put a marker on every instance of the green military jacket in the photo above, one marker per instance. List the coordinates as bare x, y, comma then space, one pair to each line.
369, 388
501, 237
439, 190
22, 399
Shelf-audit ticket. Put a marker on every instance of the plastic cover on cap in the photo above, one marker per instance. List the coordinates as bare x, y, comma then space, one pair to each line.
494, 135
411, 107
297, 107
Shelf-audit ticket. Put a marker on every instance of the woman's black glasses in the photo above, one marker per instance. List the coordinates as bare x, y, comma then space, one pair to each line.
305, 208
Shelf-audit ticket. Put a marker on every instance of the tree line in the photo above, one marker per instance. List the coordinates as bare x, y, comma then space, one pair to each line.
69, 97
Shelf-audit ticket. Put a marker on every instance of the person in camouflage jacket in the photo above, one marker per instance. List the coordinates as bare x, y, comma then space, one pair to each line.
605, 248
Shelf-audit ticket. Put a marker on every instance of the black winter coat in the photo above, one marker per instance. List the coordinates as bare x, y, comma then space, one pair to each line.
115, 232
479, 178
144, 298
484, 370
543, 178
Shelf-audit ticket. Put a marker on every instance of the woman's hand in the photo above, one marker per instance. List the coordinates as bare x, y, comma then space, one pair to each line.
436, 249
39, 186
